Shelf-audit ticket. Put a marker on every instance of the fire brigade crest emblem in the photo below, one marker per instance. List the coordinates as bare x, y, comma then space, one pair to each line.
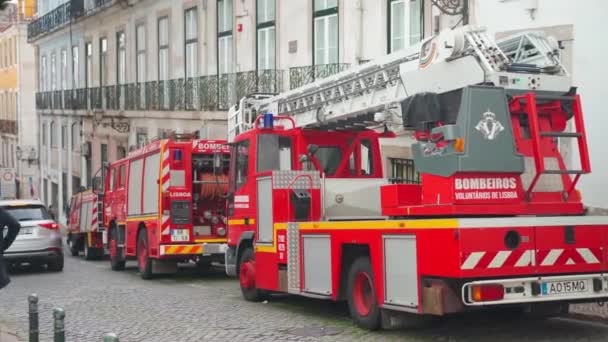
488, 126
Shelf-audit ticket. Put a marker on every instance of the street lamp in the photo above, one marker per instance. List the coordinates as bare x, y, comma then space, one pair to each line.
31, 156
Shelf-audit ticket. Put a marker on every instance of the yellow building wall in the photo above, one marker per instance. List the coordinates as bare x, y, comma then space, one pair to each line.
8, 78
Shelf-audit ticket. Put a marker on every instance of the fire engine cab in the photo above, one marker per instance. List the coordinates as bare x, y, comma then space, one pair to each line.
496, 221
164, 204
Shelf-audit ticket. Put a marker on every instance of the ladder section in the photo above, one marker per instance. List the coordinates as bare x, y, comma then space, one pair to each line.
529, 104
533, 49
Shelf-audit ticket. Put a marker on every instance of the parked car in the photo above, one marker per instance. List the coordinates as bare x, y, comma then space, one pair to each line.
39, 240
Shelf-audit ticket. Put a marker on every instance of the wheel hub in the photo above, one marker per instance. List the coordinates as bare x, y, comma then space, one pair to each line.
363, 294
247, 275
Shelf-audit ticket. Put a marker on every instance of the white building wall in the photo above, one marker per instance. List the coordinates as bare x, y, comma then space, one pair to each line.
589, 72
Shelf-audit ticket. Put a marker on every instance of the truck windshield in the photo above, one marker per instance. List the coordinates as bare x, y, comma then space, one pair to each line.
329, 157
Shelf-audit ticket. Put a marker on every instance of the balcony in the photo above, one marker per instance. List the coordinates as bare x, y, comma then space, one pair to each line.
8, 127
204, 93
300, 76
62, 15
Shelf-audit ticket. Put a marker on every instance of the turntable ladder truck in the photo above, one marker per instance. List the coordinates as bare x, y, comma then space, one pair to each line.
496, 221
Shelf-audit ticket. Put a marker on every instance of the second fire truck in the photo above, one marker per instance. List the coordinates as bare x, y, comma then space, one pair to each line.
163, 204
496, 221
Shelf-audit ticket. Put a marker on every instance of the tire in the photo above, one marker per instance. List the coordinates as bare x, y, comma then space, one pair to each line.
362, 299
247, 277
144, 263
73, 244
116, 262
57, 264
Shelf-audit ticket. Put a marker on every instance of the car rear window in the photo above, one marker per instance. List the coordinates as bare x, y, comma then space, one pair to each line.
29, 212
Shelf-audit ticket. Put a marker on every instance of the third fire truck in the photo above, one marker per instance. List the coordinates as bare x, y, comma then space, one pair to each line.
163, 204
496, 221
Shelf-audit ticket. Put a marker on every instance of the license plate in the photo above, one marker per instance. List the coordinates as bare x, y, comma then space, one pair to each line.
26, 231
180, 235
564, 287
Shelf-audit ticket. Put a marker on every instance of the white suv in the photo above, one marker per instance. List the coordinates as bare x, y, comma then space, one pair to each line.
39, 240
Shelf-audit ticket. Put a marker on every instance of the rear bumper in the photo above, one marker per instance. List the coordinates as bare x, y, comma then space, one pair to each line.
28, 256
572, 288
193, 249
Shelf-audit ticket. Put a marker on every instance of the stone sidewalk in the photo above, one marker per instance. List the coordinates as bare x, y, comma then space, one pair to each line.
7, 334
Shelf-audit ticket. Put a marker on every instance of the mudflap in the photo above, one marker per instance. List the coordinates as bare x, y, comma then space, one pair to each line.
164, 266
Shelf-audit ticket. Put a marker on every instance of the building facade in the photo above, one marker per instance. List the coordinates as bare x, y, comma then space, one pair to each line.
114, 74
18, 120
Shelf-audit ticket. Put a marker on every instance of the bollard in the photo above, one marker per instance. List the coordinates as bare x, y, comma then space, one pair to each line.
33, 314
59, 325
111, 337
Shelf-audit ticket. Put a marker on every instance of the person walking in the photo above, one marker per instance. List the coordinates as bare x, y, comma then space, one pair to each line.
9, 223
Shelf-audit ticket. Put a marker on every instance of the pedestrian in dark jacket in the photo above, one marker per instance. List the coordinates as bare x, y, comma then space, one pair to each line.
7, 222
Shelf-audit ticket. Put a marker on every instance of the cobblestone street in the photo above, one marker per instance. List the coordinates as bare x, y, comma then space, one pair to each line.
190, 307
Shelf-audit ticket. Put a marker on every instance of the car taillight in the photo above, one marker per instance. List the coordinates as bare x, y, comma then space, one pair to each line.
488, 292
50, 225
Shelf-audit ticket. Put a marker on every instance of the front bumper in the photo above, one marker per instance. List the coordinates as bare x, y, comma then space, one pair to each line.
583, 288
193, 249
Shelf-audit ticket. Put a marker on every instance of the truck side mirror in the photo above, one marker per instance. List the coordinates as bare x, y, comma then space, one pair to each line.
312, 149
217, 162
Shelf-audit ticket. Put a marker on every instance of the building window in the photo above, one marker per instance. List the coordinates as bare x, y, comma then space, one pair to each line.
64, 69
140, 50
325, 32
43, 74
224, 19
163, 59
53, 71
121, 58
141, 137
75, 68
104, 155
403, 171
88, 79
405, 23
191, 41
266, 34
103, 61
140, 62
163, 48
44, 137
53, 135
75, 135
64, 136
121, 152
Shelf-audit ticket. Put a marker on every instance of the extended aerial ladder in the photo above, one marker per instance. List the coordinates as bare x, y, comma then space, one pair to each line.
372, 93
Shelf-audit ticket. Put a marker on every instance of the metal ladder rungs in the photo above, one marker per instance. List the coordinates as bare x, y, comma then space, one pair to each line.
563, 172
561, 134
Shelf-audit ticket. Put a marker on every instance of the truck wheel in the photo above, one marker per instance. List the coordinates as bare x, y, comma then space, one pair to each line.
73, 243
56, 265
116, 262
247, 277
89, 253
143, 259
362, 300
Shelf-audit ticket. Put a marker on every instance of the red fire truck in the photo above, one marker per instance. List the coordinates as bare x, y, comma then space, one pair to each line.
495, 222
164, 204
85, 231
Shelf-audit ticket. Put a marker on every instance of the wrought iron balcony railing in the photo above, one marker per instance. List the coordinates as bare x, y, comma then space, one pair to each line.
204, 93
300, 76
62, 15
